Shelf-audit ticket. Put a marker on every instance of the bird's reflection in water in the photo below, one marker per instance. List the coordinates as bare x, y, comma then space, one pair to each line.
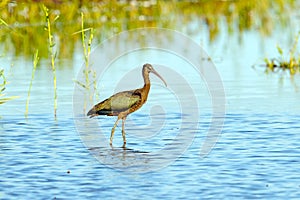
122, 157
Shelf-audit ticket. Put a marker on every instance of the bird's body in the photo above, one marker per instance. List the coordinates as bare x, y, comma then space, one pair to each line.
126, 101
123, 103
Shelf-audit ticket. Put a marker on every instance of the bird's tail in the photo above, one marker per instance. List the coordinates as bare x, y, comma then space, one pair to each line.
92, 112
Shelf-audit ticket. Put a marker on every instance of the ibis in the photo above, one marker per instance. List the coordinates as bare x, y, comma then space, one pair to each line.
123, 103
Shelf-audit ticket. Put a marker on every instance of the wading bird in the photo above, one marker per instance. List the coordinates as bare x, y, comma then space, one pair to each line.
123, 103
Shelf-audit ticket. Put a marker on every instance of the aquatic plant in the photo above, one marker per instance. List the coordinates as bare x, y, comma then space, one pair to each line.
86, 45
87, 50
3, 22
52, 53
35, 62
283, 63
25, 19
2, 88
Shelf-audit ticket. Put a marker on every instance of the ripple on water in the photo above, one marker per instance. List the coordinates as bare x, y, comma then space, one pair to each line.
257, 156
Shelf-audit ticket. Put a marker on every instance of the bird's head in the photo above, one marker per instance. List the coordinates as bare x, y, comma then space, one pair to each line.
147, 68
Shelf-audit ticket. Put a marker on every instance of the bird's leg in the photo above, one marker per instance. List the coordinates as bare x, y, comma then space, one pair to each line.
113, 131
123, 131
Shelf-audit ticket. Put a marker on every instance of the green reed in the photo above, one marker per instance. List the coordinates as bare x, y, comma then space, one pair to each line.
35, 63
3, 87
106, 19
97, 96
2, 76
3, 22
86, 50
283, 63
86, 45
51, 44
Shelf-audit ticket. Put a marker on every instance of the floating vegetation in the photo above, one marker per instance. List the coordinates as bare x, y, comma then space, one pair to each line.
289, 63
35, 62
2, 88
52, 53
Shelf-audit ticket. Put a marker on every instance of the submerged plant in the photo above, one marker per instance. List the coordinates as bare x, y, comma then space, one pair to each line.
52, 53
35, 62
2, 88
291, 63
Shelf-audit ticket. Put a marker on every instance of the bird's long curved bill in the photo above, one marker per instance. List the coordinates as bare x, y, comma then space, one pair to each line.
161, 78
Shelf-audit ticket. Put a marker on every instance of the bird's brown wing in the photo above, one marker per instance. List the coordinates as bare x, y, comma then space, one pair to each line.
117, 103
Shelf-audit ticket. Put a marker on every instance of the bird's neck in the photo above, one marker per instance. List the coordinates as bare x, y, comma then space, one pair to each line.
146, 77
147, 87
146, 83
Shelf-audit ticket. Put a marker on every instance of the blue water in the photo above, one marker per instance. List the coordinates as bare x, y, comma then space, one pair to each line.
257, 156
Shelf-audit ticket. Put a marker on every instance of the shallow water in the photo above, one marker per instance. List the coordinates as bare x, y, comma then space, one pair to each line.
256, 157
